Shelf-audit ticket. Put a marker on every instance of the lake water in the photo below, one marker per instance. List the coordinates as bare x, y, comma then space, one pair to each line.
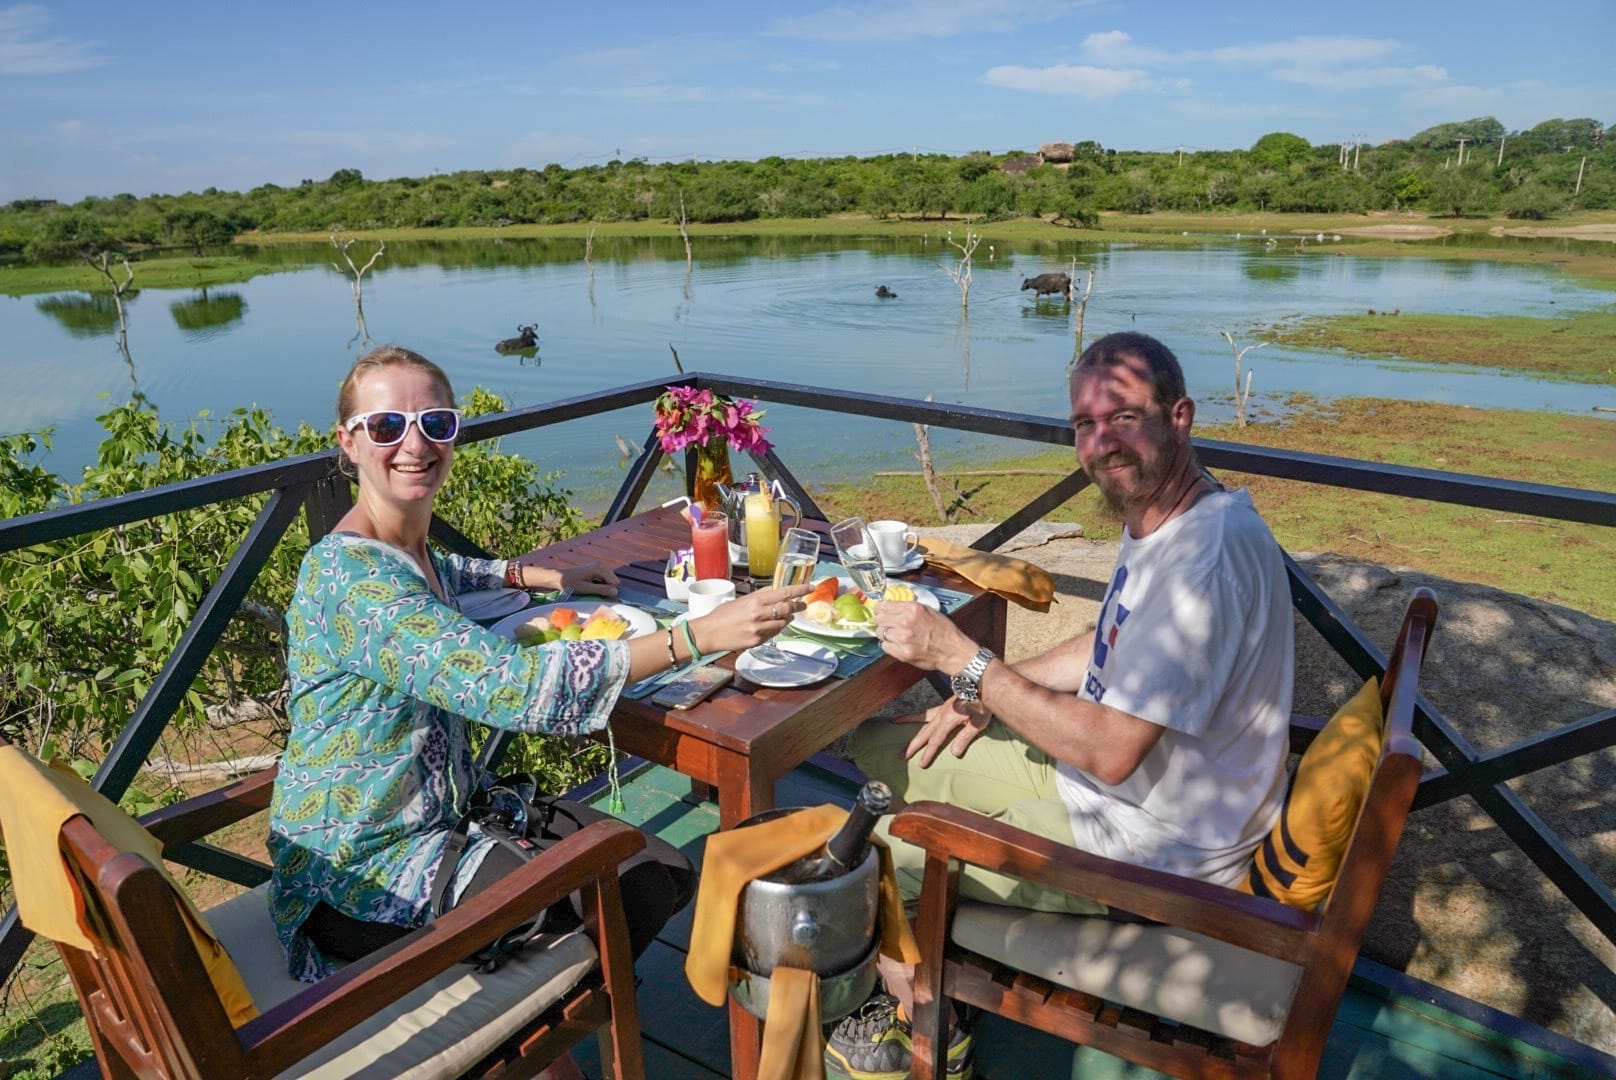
794, 310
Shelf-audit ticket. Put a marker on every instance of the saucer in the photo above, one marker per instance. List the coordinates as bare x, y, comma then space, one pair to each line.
912, 563
809, 664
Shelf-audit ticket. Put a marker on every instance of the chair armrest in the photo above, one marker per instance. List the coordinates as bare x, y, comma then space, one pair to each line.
1251, 922
304, 1023
205, 814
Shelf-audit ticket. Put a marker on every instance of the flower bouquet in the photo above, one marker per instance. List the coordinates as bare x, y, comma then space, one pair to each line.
712, 423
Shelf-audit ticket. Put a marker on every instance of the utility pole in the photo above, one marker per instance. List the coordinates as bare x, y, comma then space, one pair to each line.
1180, 155
1356, 144
1461, 151
1501, 140
1577, 192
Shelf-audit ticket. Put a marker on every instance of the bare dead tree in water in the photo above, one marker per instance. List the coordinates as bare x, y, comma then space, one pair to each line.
589, 261
358, 272
683, 231
1241, 396
961, 270
361, 331
1082, 308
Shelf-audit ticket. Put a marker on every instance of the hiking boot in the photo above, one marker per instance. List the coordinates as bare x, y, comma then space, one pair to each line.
874, 1044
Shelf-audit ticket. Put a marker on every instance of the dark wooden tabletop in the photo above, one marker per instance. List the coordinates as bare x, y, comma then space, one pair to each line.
772, 730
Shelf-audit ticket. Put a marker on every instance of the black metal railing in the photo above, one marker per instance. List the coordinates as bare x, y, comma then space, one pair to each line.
313, 485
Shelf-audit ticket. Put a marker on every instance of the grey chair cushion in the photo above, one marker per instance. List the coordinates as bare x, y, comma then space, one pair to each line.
1172, 973
440, 1029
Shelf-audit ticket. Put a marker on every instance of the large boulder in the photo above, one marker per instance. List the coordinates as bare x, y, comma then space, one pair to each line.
1021, 163
1056, 153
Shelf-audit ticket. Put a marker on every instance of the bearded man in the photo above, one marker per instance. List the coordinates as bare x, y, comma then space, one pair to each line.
1158, 740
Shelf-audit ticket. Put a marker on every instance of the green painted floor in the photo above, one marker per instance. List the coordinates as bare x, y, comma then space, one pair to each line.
1377, 1033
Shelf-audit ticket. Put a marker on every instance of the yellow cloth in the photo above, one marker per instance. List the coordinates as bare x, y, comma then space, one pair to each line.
735, 857
1298, 860
792, 1049
1014, 579
36, 800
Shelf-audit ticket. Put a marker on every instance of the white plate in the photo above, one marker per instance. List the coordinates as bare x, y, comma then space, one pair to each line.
486, 604
802, 622
914, 562
638, 621
809, 664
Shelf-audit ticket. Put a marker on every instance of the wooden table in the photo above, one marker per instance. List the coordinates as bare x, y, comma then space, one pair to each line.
746, 736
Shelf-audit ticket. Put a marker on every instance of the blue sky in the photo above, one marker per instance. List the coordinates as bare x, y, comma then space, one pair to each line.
102, 98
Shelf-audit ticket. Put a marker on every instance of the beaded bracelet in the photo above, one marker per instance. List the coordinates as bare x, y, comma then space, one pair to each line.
672, 659
513, 573
690, 639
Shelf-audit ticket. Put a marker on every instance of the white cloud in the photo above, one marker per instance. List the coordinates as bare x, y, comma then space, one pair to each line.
1115, 47
70, 129
905, 20
1335, 51
545, 146
792, 67
24, 50
1079, 79
1363, 78
685, 95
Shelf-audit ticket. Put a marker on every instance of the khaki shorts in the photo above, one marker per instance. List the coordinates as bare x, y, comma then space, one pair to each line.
1002, 777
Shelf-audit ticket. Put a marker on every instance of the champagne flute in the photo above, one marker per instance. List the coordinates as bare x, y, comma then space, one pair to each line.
799, 554
859, 554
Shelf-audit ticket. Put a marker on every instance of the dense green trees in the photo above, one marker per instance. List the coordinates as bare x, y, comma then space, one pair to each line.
1554, 167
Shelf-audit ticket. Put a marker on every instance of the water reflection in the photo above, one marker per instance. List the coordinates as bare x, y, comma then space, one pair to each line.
205, 315
617, 310
91, 315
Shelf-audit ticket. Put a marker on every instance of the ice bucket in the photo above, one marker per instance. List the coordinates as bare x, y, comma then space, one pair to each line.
824, 926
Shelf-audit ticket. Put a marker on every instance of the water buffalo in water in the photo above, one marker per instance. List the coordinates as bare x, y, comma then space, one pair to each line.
528, 338
885, 293
1047, 284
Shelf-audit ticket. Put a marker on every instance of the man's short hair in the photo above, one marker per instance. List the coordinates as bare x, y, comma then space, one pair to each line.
1166, 376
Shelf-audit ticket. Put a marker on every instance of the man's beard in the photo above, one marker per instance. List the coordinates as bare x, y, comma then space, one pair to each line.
1149, 478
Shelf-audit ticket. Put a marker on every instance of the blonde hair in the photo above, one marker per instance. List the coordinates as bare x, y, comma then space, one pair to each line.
380, 357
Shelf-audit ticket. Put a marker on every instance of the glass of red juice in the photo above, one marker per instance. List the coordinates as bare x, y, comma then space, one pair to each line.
709, 536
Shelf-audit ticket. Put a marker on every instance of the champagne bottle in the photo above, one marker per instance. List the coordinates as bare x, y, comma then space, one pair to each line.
847, 848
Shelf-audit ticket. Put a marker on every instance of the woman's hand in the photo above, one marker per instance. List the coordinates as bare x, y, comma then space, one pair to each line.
591, 579
748, 620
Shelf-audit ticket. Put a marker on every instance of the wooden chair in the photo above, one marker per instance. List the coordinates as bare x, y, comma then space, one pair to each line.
146, 993
1221, 965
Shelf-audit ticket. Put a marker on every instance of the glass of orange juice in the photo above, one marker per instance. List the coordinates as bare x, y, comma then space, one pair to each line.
763, 533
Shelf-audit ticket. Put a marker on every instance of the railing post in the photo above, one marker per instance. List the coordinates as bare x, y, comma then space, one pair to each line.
329, 499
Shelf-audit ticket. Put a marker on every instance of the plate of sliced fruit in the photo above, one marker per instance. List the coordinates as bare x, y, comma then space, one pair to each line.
838, 609
574, 621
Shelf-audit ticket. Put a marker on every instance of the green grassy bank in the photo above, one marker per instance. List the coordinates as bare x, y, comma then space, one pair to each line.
1580, 346
1557, 561
1486, 238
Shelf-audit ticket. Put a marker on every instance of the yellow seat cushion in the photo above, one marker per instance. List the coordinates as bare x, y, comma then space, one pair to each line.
36, 800
1298, 861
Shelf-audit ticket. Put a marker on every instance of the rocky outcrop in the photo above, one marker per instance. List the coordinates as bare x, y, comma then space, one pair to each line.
1056, 153
1015, 166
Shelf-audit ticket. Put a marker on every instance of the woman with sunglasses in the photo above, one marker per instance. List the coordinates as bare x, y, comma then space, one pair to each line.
386, 676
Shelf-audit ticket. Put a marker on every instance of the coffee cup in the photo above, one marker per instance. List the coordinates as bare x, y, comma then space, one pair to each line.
894, 540
708, 593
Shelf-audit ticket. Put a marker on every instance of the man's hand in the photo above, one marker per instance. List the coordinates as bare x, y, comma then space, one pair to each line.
954, 724
915, 634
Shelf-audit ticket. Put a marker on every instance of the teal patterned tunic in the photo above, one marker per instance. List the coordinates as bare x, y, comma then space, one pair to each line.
378, 766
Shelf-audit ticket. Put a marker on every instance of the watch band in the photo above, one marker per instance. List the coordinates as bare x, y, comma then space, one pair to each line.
967, 684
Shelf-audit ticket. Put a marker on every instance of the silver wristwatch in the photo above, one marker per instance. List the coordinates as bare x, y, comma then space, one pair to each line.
967, 684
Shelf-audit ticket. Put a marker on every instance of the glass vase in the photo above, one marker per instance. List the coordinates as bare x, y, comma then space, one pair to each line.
712, 469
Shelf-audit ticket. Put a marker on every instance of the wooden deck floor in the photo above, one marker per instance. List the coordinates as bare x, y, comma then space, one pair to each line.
1378, 1032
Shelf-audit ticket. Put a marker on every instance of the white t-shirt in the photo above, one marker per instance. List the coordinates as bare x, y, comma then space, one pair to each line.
1195, 635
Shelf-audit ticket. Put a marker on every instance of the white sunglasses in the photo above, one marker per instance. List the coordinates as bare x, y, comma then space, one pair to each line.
387, 427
